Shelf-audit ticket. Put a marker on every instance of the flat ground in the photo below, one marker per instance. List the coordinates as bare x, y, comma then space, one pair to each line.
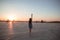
40, 31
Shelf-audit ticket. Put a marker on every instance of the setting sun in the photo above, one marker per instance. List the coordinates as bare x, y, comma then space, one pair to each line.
11, 18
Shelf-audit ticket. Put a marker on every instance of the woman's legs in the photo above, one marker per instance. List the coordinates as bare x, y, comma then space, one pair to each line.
30, 31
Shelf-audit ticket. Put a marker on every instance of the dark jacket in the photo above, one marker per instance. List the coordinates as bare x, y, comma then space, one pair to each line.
30, 23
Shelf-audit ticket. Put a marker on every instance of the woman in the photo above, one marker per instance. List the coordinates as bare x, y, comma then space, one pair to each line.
30, 24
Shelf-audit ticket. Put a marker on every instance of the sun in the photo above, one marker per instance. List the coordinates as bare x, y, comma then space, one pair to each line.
11, 18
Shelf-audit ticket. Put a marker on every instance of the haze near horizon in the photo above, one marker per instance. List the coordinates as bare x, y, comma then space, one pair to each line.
47, 10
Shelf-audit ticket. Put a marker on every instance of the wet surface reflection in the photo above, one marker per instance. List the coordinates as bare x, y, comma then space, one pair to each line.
6, 31
19, 31
10, 27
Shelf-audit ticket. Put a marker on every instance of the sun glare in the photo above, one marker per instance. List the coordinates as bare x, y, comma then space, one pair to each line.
11, 18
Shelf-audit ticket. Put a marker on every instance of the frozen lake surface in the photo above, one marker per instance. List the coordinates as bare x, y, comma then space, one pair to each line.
20, 31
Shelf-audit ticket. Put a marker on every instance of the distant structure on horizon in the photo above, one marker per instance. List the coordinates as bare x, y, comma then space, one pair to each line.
42, 21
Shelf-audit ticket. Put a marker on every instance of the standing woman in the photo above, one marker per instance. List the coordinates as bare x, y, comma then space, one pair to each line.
30, 24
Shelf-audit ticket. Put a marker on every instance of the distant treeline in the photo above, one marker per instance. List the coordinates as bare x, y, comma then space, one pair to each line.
47, 22
33, 21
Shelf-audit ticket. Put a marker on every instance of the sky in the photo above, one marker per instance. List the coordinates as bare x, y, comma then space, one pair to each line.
47, 10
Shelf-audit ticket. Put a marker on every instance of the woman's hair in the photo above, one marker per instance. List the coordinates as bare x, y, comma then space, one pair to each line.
30, 20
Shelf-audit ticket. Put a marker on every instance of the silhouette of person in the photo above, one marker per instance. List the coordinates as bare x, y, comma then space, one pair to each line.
30, 25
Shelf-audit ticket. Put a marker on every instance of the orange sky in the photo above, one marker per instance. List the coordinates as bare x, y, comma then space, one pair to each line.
22, 9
